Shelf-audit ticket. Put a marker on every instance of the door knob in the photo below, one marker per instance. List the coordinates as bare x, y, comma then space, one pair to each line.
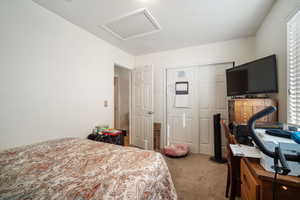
150, 112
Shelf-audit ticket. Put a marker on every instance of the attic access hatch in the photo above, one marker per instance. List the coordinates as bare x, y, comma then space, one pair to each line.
135, 24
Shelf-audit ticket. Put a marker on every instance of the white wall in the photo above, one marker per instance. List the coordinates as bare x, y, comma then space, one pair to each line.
54, 76
271, 39
239, 50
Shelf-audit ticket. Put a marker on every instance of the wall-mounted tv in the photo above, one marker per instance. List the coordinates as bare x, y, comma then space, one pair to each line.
259, 76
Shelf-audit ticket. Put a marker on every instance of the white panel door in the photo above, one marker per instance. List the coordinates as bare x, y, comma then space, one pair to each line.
182, 121
213, 100
193, 125
142, 107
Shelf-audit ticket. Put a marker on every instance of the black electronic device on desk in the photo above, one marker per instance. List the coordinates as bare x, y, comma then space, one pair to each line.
279, 133
241, 133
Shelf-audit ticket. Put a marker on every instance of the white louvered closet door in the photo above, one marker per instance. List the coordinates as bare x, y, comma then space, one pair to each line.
293, 54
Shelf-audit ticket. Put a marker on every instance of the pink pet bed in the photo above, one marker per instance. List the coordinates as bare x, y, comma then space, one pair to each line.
176, 150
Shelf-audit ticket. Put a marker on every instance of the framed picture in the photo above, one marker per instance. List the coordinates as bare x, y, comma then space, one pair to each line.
182, 88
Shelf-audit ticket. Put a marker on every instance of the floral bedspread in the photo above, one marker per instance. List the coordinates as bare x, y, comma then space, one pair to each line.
81, 169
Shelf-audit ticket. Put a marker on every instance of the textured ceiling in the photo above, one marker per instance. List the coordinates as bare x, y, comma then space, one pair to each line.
184, 22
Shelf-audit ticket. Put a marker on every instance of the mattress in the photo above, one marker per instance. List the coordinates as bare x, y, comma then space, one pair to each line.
80, 169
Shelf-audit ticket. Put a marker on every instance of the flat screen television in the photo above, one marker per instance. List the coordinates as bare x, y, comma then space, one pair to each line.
259, 76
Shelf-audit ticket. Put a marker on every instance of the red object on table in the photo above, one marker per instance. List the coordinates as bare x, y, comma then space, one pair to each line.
111, 132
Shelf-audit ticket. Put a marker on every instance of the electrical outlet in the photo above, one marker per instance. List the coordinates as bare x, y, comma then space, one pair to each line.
105, 103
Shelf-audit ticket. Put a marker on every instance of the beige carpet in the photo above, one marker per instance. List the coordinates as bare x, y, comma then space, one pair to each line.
197, 178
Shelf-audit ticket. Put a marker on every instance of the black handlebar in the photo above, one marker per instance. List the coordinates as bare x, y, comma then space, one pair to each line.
285, 167
251, 125
277, 154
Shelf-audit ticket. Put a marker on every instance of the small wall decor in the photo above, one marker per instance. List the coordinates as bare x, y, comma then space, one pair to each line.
182, 88
182, 94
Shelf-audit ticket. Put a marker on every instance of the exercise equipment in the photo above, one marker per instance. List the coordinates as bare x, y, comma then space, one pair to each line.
277, 154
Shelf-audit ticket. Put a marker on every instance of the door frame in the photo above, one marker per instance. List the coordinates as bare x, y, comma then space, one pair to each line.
130, 98
164, 129
130, 107
116, 86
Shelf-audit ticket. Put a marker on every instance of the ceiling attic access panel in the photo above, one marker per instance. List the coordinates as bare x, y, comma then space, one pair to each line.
132, 25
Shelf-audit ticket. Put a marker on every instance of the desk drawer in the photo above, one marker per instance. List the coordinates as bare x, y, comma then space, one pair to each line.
282, 191
249, 185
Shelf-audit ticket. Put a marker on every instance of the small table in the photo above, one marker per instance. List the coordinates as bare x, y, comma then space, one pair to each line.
112, 138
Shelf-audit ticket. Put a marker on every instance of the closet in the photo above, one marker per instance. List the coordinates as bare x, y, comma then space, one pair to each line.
194, 95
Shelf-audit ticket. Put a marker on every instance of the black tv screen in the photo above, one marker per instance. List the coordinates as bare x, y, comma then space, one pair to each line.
259, 76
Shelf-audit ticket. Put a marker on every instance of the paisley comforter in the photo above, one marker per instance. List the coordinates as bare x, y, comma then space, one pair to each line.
80, 169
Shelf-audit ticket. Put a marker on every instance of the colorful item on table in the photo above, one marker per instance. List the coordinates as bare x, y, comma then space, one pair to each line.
111, 131
296, 137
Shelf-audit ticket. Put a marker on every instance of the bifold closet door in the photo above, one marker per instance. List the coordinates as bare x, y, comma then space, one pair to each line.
213, 100
182, 108
190, 118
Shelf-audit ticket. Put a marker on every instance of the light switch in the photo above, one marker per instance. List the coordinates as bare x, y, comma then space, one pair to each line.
105, 103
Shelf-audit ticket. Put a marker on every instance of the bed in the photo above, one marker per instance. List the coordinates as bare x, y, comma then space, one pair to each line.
80, 169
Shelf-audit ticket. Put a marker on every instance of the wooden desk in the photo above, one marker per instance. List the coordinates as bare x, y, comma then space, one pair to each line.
257, 183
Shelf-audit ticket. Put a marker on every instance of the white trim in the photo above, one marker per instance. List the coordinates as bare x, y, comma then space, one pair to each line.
146, 12
200, 65
119, 104
130, 108
130, 98
164, 124
153, 109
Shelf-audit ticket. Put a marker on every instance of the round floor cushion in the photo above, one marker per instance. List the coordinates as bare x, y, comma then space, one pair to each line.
176, 150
